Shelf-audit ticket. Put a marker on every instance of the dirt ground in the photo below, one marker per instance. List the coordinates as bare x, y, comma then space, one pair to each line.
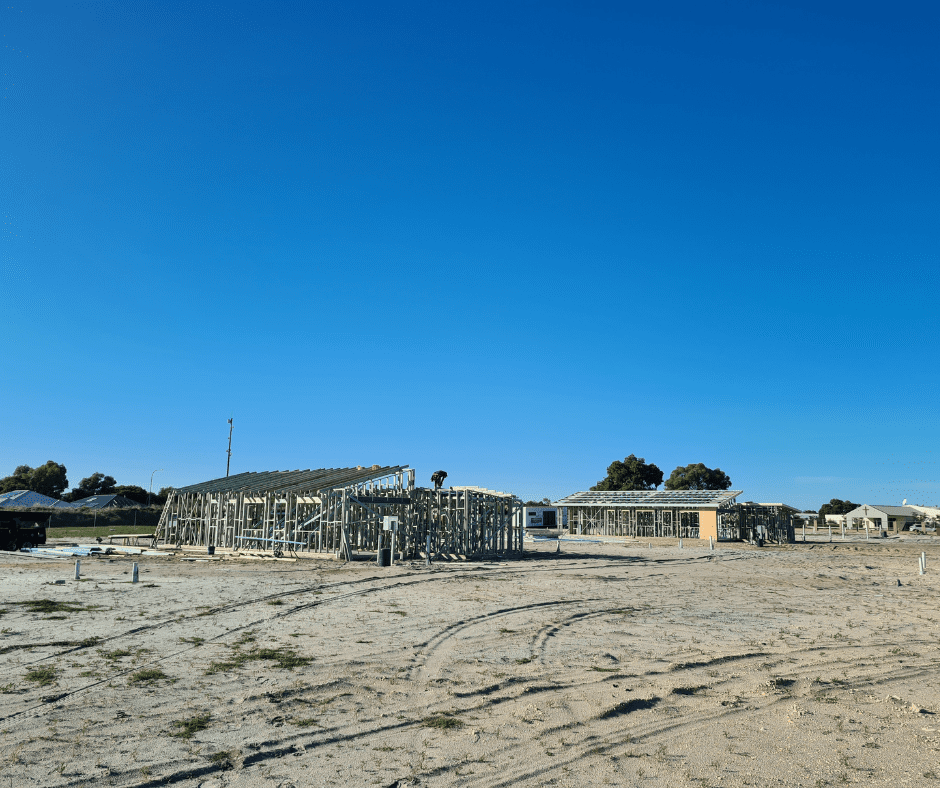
606, 664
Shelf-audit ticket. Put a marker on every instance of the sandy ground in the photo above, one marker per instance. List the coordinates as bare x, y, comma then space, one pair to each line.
609, 664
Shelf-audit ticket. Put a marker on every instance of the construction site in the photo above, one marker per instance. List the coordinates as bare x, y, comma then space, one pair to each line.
677, 514
345, 512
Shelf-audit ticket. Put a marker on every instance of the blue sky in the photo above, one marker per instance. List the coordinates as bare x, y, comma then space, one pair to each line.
513, 240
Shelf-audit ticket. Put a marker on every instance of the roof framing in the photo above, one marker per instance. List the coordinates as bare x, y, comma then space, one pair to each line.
291, 481
689, 499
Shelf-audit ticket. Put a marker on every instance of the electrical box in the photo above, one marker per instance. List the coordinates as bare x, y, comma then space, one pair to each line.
540, 517
389, 523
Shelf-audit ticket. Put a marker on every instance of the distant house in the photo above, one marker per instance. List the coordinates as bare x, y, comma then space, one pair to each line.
105, 502
882, 518
20, 499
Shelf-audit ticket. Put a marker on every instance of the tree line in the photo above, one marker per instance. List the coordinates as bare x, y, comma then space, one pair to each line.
635, 473
51, 479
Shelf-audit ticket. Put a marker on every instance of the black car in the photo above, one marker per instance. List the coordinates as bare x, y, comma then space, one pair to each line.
22, 529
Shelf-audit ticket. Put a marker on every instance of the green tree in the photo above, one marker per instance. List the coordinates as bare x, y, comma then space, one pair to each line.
96, 484
632, 474
19, 480
134, 492
49, 479
698, 477
159, 498
836, 506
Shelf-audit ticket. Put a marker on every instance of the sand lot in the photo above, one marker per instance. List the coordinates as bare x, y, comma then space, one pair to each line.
609, 664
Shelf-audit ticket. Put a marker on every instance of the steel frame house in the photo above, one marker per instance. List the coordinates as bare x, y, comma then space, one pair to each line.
340, 511
690, 514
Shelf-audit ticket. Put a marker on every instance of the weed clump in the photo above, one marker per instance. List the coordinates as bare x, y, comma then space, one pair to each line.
48, 606
188, 728
114, 656
148, 676
223, 759
44, 677
442, 722
285, 658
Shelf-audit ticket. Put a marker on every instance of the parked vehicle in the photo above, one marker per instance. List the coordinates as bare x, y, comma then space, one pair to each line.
22, 529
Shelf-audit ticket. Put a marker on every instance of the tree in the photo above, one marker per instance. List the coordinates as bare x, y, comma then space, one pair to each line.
132, 491
631, 474
159, 498
836, 506
543, 502
18, 481
49, 479
96, 484
698, 477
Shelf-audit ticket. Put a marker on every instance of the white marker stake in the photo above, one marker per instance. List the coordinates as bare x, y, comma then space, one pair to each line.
134, 574
429, 549
711, 544
680, 544
78, 570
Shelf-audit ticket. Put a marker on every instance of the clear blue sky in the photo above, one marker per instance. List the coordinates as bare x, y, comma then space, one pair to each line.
512, 240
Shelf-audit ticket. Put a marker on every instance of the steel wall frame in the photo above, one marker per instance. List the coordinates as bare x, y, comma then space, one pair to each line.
342, 519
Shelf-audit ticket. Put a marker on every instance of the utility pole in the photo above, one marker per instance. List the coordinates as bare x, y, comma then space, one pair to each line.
228, 462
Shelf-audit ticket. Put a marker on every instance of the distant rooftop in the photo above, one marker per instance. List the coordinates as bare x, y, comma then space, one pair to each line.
104, 502
24, 498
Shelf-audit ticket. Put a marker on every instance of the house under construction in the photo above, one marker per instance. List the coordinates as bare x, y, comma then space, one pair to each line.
691, 514
342, 511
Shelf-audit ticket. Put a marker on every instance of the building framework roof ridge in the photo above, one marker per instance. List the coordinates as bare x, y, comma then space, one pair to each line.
289, 481
677, 498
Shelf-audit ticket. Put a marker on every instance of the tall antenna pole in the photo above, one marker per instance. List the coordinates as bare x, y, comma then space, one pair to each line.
228, 462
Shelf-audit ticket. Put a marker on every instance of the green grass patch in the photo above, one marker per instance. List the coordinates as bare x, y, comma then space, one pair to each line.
285, 658
699, 690
48, 606
195, 641
223, 758
307, 722
603, 670
275, 601
113, 656
44, 677
442, 722
192, 726
524, 661
147, 676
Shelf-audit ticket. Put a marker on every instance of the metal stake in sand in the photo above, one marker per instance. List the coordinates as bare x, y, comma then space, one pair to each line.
843, 531
134, 574
428, 549
680, 542
711, 544
78, 570
923, 563
830, 532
